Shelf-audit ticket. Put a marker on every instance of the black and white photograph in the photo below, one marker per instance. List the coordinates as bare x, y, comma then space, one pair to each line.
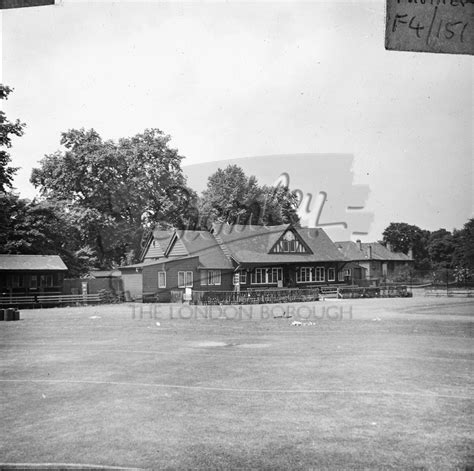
236, 235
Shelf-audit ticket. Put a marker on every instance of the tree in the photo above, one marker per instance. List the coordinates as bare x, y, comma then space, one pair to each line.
29, 227
7, 130
233, 197
116, 189
463, 254
229, 196
45, 228
279, 206
441, 248
402, 237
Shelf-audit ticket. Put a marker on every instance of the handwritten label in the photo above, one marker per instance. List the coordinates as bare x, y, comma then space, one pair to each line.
430, 26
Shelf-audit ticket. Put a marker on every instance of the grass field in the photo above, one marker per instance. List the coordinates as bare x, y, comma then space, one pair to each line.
388, 385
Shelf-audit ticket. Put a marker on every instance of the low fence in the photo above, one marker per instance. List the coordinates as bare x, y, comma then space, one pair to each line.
450, 292
266, 296
94, 285
388, 291
52, 300
441, 277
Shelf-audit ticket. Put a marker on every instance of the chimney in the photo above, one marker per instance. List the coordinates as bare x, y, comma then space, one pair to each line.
359, 243
389, 246
370, 252
410, 253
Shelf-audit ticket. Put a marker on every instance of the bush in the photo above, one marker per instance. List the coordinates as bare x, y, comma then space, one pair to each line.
107, 297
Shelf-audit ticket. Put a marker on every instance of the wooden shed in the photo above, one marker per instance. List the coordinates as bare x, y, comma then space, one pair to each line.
29, 275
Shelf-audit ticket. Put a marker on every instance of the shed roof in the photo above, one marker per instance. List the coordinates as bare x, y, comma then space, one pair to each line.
31, 262
105, 273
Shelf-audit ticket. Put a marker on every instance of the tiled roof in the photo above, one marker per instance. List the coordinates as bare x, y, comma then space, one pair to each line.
31, 262
251, 244
157, 243
352, 251
380, 252
204, 245
319, 242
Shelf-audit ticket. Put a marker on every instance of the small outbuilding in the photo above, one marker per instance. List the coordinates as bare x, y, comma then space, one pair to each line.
29, 275
373, 261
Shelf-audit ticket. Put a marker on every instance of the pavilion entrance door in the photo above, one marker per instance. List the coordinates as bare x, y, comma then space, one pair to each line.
289, 277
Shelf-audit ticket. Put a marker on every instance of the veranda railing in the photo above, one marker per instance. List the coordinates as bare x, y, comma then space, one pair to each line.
256, 296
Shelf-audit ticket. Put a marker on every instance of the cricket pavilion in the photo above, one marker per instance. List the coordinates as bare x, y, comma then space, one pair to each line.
230, 259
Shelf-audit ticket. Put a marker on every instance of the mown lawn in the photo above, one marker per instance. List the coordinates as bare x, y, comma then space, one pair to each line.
387, 386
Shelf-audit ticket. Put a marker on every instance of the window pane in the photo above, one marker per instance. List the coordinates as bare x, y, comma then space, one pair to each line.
319, 274
161, 279
189, 279
181, 279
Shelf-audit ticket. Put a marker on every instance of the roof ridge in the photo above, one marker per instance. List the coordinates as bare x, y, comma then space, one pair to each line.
222, 245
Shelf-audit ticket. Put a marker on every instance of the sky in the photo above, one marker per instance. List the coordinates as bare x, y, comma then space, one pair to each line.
234, 81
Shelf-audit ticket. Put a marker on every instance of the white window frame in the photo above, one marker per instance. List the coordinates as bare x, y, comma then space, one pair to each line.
214, 277
243, 277
275, 274
258, 272
345, 272
267, 276
187, 279
333, 276
319, 274
161, 278
304, 275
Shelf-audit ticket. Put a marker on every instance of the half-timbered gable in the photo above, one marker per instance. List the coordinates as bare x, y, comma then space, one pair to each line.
290, 242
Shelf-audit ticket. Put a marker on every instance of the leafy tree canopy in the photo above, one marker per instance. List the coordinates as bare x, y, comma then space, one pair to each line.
231, 196
402, 237
436, 250
441, 246
7, 130
30, 227
115, 189
463, 255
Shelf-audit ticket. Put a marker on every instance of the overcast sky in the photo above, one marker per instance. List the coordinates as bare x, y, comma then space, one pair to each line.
231, 80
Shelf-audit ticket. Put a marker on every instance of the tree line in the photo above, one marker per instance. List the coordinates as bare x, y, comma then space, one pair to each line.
99, 200
434, 250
